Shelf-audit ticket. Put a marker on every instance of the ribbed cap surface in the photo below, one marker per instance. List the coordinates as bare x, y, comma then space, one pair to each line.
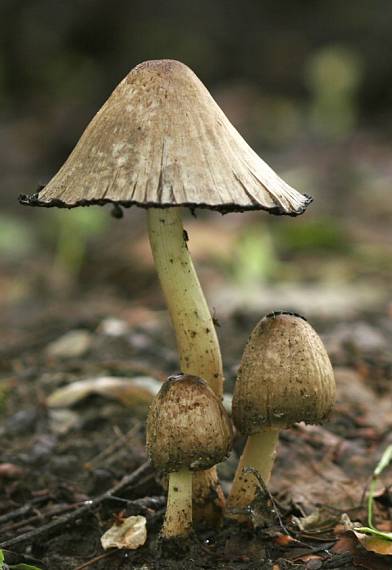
285, 376
160, 140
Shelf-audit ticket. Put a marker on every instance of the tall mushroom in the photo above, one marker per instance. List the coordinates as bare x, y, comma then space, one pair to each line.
160, 142
285, 376
188, 429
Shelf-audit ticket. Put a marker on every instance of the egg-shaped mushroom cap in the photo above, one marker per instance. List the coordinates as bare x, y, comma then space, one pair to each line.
160, 140
285, 376
187, 426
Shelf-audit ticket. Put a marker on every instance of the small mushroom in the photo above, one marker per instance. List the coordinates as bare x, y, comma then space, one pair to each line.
285, 376
188, 430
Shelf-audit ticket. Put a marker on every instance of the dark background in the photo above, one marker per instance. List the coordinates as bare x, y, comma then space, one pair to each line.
307, 83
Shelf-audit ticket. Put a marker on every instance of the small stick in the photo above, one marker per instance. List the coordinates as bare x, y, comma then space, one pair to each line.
96, 559
119, 442
52, 511
86, 507
264, 487
23, 510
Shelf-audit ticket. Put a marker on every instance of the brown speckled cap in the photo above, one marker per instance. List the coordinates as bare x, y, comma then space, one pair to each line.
187, 426
285, 376
161, 140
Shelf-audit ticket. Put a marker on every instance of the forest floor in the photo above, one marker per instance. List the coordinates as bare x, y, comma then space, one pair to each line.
66, 447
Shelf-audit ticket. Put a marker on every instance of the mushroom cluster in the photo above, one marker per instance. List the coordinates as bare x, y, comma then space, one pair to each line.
161, 142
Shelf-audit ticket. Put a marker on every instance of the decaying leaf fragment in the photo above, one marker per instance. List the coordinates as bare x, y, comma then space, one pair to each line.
129, 534
130, 391
374, 543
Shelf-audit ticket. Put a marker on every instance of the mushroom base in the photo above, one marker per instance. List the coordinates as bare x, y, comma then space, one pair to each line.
208, 498
178, 518
259, 453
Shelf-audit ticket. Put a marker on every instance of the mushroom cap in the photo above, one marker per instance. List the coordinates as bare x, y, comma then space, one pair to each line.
187, 426
285, 376
160, 140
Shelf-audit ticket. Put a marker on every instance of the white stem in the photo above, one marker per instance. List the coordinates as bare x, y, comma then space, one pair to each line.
259, 453
178, 518
197, 342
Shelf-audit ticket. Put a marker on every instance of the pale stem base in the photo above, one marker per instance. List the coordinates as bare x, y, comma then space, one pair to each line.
178, 518
259, 453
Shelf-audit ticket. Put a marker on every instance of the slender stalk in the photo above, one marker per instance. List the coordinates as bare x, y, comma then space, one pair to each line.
259, 453
197, 342
178, 518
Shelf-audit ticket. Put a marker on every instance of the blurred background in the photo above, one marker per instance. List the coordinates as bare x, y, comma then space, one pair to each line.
309, 86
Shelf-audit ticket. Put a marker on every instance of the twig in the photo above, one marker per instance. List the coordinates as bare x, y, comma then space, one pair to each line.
86, 507
264, 487
96, 559
143, 505
54, 510
120, 440
23, 510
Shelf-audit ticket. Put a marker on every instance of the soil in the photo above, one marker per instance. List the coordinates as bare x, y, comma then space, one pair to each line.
62, 468
72, 342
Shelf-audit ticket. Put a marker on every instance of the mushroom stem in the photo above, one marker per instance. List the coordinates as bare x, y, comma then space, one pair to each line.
178, 518
197, 342
259, 453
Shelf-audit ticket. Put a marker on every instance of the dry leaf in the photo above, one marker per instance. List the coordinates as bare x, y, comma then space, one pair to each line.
285, 540
130, 391
73, 344
129, 534
363, 558
375, 544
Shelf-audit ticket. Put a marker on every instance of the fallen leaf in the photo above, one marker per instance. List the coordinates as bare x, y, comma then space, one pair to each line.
130, 534
285, 540
73, 344
361, 556
130, 391
375, 543
311, 479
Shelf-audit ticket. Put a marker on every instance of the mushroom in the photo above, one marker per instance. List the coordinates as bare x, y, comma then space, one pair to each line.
188, 429
285, 376
161, 142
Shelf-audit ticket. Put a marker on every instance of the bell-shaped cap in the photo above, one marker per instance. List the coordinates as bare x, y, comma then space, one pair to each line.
160, 140
187, 426
285, 376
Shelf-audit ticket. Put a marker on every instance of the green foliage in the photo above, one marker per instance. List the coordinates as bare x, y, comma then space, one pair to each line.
74, 229
21, 566
334, 75
16, 237
86, 222
4, 391
254, 258
384, 462
322, 235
